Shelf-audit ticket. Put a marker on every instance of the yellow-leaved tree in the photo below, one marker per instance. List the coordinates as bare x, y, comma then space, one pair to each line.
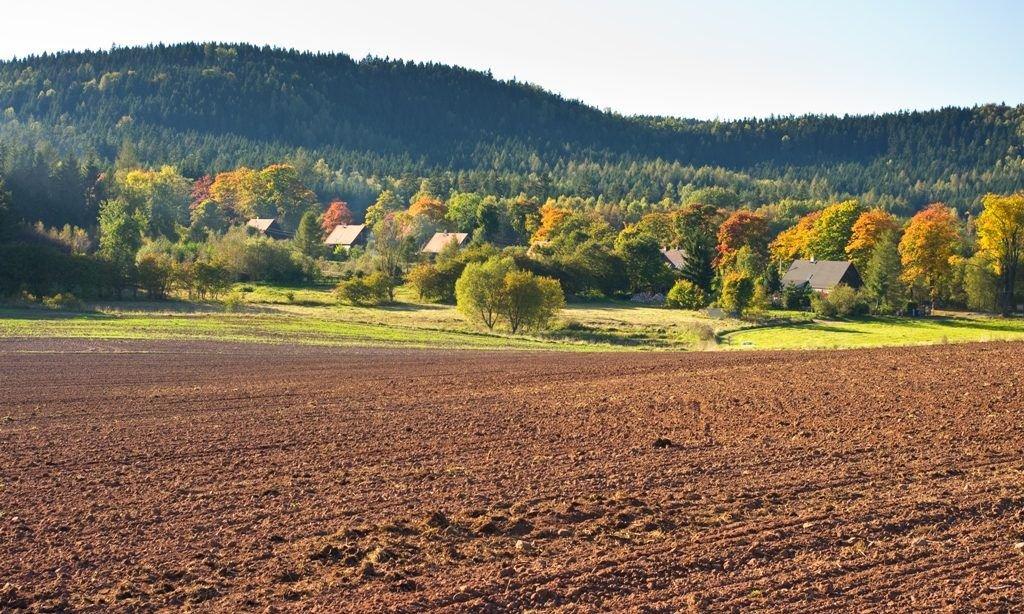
1001, 236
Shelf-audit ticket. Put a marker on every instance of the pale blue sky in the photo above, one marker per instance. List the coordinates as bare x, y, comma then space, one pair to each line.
688, 59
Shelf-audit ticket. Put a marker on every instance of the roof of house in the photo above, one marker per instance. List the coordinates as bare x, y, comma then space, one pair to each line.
819, 274
441, 239
262, 224
344, 234
676, 257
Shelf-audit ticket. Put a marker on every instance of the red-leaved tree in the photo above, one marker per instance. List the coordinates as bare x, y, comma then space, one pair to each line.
337, 214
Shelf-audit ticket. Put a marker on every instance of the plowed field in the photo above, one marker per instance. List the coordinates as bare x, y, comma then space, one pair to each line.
154, 475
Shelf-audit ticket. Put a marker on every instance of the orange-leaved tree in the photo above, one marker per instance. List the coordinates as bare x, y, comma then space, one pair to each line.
868, 230
929, 243
743, 228
337, 214
550, 216
794, 242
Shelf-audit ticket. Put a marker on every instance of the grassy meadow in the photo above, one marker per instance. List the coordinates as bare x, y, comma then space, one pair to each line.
272, 314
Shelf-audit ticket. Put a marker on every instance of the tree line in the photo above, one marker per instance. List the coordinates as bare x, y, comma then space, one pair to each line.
353, 129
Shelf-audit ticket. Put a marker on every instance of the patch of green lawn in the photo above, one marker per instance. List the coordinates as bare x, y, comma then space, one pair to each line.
875, 331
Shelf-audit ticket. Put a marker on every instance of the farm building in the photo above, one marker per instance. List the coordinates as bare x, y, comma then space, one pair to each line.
822, 275
268, 227
440, 240
347, 236
676, 258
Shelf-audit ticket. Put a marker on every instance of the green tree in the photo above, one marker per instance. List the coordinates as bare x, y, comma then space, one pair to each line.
832, 231
646, 268
882, 278
528, 301
120, 236
686, 295
479, 292
463, 208
696, 226
307, 239
981, 283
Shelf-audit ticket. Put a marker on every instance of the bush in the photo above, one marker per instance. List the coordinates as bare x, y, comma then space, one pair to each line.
64, 301
372, 289
737, 292
796, 296
842, 302
686, 295
234, 301
495, 290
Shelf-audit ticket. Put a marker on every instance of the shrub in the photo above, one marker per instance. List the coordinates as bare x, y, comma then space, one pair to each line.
234, 301
372, 289
686, 295
737, 291
796, 296
495, 290
530, 302
842, 302
64, 301
478, 292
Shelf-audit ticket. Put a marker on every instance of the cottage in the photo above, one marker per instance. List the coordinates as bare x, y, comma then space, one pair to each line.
347, 236
676, 258
440, 240
268, 227
822, 275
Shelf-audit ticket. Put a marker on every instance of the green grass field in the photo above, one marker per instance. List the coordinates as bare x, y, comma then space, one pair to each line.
311, 316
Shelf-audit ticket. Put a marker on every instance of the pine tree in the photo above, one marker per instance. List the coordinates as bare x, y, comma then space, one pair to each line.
307, 239
882, 278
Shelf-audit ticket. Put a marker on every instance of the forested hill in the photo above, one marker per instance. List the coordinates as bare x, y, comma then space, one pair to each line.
208, 107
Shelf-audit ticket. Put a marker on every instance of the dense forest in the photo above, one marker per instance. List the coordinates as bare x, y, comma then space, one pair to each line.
356, 128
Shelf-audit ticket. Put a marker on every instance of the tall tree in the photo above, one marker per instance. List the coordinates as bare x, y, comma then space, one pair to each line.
882, 273
337, 214
743, 228
832, 231
307, 239
869, 228
930, 241
696, 227
1001, 236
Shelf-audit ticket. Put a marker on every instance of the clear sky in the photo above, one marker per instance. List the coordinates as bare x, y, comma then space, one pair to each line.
704, 59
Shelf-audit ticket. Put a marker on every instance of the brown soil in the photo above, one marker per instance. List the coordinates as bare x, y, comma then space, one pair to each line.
236, 477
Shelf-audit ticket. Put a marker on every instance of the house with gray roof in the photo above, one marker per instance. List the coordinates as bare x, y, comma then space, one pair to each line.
347, 236
268, 227
822, 275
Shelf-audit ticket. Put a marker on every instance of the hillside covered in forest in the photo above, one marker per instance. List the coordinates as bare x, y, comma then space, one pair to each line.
380, 124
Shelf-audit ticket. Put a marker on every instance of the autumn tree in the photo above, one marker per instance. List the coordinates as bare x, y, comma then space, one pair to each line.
283, 191
743, 228
550, 217
1000, 230
832, 230
661, 226
867, 231
337, 214
794, 242
930, 241
237, 192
